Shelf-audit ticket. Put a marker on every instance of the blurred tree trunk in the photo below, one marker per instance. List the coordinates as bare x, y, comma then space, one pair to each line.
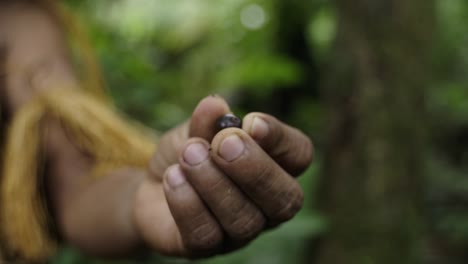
374, 159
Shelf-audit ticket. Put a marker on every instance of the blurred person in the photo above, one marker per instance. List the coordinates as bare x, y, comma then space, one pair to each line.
74, 171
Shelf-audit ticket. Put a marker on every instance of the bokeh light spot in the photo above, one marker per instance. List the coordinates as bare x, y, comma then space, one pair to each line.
253, 17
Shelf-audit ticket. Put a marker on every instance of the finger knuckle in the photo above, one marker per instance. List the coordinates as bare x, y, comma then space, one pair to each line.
236, 208
205, 237
247, 227
262, 182
290, 204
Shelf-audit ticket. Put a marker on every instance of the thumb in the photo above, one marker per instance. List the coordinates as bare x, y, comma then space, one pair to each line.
202, 124
203, 121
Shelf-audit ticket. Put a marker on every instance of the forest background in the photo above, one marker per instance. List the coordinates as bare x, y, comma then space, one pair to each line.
379, 85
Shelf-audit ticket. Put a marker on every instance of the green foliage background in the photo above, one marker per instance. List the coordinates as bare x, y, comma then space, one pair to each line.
160, 57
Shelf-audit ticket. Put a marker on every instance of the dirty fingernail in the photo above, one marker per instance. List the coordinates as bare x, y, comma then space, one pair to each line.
259, 128
231, 148
195, 154
175, 177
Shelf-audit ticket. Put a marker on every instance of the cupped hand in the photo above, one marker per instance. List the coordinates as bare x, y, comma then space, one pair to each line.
212, 192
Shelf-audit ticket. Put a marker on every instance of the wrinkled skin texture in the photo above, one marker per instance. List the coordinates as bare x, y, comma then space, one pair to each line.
214, 200
204, 193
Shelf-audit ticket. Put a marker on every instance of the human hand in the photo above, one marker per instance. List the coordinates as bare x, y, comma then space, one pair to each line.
212, 192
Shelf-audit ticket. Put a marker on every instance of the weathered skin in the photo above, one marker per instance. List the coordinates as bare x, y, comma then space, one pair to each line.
204, 193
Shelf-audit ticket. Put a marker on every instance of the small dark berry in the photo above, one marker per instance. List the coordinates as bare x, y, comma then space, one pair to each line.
228, 120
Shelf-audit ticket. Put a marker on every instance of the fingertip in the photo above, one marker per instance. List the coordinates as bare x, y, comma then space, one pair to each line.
231, 148
203, 121
230, 144
174, 177
247, 121
287, 145
257, 126
308, 154
195, 151
199, 231
207, 104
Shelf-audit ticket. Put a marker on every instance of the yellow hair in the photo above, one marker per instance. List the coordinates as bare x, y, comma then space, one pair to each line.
93, 126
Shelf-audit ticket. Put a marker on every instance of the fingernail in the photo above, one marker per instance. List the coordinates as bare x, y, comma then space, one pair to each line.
195, 154
259, 128
175, 177
231, 148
